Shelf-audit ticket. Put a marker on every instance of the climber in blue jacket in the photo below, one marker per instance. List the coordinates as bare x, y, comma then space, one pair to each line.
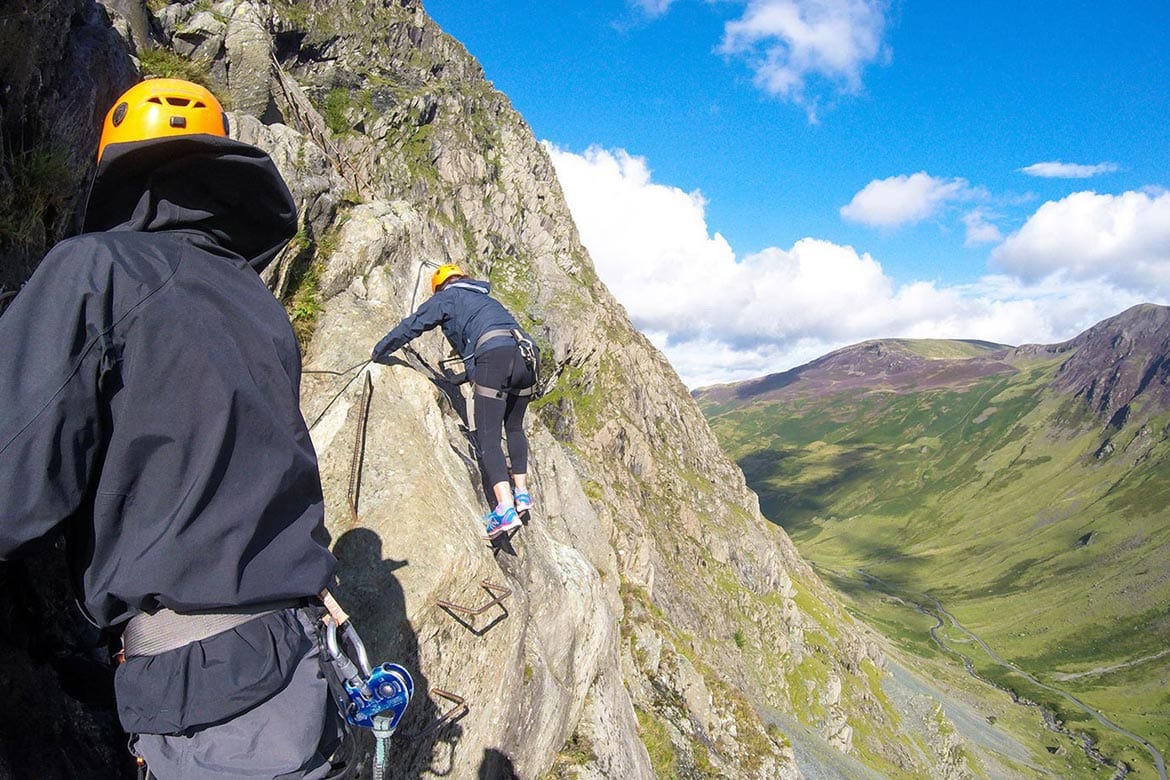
502, 364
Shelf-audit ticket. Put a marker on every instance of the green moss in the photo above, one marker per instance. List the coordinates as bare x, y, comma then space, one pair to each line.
297, 13
656, 738
578, 751
513, 282
805, 682
37, 200
702, 757
574, 396
414, 145
335, 111
301, 240
816, 608
304, 303
164, 63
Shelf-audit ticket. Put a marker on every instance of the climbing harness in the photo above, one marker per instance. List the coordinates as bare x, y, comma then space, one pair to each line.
527, 351
367, 697
372, 698
155, 633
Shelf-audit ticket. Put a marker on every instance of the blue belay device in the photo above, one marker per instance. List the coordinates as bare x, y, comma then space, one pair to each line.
376, 696
389, 688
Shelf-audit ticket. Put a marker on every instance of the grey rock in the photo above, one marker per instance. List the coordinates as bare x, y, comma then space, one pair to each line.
249, 53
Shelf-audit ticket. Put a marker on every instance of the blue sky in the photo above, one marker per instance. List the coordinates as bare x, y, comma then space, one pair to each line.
761, 182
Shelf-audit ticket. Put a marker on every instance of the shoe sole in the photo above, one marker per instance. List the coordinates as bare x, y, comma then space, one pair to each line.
510, 526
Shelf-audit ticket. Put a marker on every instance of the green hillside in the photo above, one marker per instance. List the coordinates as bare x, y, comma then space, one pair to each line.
1041, 528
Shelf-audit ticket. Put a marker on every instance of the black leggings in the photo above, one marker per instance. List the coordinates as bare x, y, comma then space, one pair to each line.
501, 369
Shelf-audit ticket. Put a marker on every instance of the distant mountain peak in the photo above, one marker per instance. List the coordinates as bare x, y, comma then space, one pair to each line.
1117, 361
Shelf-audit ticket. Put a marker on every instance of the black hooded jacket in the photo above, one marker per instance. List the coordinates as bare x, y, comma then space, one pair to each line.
149, 393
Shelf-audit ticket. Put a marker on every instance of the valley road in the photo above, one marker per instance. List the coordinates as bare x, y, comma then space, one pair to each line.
939, 613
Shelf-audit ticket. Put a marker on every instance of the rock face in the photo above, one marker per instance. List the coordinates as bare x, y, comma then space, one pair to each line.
61, 66
647, 614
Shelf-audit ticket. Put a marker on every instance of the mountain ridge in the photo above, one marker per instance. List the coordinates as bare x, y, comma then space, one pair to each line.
1087, 374
898, 361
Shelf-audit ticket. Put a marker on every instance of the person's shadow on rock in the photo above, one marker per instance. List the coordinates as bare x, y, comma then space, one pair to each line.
368, 590
496, 765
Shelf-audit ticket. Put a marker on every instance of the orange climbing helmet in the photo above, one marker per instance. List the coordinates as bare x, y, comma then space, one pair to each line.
443, 273
161, 108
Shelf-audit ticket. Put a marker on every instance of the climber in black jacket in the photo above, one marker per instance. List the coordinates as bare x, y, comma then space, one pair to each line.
501, 362
149, 404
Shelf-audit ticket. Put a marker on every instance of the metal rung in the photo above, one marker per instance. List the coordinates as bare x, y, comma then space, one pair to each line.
456, 712
497, 592
359, 447
492, 590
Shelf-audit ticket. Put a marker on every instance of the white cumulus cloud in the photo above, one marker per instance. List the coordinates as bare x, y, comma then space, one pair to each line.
980, 230
652, 8
721, 318
1063, 170
904, 200
1122, 240
798, 46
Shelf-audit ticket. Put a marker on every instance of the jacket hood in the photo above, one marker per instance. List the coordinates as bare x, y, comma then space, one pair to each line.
475, 285
227, 189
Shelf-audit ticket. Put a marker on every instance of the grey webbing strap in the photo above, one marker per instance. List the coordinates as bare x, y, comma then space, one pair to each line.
491, 392
166, 630
492, 334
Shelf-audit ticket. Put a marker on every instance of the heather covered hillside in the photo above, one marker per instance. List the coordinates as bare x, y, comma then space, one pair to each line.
1018, 496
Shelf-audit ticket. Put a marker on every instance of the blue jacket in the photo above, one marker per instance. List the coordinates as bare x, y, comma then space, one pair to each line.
465, 310
149, 405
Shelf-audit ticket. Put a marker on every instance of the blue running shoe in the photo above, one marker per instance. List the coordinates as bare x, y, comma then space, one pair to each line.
498, 524
523, 501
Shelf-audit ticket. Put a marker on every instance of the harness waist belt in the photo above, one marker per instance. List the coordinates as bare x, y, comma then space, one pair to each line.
166, 630
493, 334
491, 392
